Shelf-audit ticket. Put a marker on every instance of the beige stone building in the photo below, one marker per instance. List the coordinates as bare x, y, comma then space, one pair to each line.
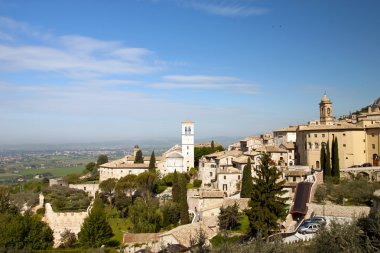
358, 139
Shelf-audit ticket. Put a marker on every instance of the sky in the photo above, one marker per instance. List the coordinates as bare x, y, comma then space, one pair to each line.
100, 70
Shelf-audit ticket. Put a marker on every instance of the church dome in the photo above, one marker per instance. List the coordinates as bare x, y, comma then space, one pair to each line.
376, 103
325, 99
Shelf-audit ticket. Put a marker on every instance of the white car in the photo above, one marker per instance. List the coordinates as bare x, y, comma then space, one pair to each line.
309, 228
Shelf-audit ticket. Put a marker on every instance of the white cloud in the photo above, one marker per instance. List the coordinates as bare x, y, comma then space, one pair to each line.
228, 8
206, 82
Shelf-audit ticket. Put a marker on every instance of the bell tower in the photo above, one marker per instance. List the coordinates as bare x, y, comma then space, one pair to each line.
325, 111
188, 144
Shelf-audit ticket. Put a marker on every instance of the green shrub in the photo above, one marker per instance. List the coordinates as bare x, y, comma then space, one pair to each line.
197, 183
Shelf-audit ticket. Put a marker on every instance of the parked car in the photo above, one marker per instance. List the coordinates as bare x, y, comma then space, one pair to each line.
367, 165
319, 220
309, 228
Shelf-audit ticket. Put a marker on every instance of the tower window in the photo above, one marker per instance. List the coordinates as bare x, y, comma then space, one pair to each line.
344, 145
373, 146
323, 135
315, 135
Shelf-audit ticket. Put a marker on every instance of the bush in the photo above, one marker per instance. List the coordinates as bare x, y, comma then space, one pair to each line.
320, 194
66, 199
197, 183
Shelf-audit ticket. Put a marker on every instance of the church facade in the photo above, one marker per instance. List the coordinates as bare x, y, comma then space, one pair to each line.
178, 158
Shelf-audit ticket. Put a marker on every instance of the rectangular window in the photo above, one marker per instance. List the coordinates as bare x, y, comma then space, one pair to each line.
344, 145
210, 174
344, 134
309, 135
323, 135
373, 146
294, 179
315, 135
224, 177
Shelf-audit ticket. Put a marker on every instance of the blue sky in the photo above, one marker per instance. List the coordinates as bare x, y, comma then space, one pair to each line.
84, 71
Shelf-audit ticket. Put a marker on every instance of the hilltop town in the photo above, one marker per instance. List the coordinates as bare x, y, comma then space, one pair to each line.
193, 193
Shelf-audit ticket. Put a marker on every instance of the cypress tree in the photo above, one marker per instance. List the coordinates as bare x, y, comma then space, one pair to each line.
175, 188
152, 162
335, 172
183, 205
267, 204
246, 181
139, 157
323, 161
328, 161
212, 145
95, 230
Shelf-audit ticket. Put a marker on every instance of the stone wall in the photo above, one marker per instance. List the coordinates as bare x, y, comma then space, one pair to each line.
91, 189
339, 211
58, 222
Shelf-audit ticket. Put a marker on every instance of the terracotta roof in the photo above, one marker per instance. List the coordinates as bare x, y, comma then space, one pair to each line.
252, 153
241, 159
271, 149
288, 145
297, 173
229, 170
184, 233
301, 198
131, 238
336, 126
252, 138
123, 163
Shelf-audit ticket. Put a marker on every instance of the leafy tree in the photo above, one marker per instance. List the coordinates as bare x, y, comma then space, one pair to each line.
170, 214
108, 186
145, 215
320, 194
197, 183
91, 166
370, 226
147, 182
18, 232
152, 162
198, 243
102, 159
122, 204
229, 217
335, 172
338, 238
139, 157
95, 230
68, 239
127, 185
328, 161
267, 205
4, 199
247, 183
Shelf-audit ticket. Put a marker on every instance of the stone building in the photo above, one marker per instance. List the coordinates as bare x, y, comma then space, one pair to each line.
358, 140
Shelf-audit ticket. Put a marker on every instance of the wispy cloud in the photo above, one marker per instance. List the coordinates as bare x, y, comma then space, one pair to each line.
74, 56
228, 8
206, 82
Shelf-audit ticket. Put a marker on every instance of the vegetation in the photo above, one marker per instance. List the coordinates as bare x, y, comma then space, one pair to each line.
335, 171
349, 192
229, 217
139, 157
145, 215
197, 183
322, 160
267, 206
152, 162
66, 199
247, 183
95, 230
102, 159
328, 161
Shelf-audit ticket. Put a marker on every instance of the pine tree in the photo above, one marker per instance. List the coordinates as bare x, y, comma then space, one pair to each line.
152, 162
139, 157
335, 172
328, 161
267, 206
175, 188
323, 161
95, 230
212, 145
246, 182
